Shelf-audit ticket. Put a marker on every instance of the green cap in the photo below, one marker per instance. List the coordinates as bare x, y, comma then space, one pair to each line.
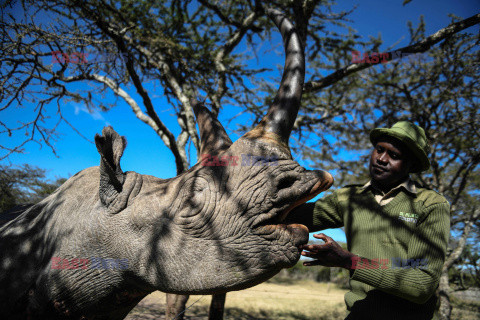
412, 136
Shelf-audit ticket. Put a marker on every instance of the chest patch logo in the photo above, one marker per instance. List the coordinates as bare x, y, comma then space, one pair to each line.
408, 217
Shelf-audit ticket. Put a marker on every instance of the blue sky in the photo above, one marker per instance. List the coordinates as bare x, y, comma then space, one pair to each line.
145, 151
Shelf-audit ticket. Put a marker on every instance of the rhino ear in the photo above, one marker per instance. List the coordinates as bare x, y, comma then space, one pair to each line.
110, 146
213, 137
116, 188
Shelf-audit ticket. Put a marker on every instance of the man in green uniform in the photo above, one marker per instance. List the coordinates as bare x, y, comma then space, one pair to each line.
397, 231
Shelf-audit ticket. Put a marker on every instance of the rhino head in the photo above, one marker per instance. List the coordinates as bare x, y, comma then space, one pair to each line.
214, 228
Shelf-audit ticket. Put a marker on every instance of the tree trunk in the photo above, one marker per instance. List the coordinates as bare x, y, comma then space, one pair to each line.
217, 307
445, 309
175, 306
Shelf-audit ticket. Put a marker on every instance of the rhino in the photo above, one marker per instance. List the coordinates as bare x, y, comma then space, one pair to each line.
106, 238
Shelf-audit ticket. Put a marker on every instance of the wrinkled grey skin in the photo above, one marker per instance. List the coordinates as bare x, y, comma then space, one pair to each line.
209, 230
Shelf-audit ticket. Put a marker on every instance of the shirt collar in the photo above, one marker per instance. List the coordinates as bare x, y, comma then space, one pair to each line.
407, 184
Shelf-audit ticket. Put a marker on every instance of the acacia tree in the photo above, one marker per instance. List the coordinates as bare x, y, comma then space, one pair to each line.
185, 48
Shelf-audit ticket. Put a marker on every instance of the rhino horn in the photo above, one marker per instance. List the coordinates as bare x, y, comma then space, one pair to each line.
277, 124
213, 137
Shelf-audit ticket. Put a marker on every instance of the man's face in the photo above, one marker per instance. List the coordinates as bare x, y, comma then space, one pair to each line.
390, 162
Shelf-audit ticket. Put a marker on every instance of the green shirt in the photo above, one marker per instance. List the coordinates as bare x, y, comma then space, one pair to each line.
401, 248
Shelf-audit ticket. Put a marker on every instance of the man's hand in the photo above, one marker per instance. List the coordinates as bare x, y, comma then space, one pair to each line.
330, 254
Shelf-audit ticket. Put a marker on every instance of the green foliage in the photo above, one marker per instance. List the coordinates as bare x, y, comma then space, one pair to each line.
24, 185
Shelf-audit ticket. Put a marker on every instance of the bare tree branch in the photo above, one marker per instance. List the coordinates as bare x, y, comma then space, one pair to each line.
422, 46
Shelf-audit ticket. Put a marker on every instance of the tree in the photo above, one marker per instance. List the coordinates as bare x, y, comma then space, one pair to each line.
190, 49
24, 185
466, 271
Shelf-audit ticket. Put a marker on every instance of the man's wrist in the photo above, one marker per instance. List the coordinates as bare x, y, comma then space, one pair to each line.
349, 259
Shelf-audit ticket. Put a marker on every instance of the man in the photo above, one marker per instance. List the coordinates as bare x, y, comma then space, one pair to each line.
396, 231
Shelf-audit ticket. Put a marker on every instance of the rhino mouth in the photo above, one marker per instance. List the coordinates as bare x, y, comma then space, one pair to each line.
321, 185
299, 233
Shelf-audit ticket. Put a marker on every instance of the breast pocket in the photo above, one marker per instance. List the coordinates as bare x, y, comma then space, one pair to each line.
400, 231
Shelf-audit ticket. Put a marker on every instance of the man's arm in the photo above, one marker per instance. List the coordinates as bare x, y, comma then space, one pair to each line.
427, 246
319, 215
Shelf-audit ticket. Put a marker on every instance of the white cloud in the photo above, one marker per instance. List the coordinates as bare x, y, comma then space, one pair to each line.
93, 113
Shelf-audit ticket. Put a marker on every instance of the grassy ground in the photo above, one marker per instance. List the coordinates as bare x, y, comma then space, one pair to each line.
283, 301
279, 300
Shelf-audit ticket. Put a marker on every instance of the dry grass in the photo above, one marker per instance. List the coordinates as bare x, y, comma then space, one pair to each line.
297, 301
287, 300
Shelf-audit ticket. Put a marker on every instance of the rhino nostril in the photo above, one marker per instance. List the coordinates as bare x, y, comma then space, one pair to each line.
286, 182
